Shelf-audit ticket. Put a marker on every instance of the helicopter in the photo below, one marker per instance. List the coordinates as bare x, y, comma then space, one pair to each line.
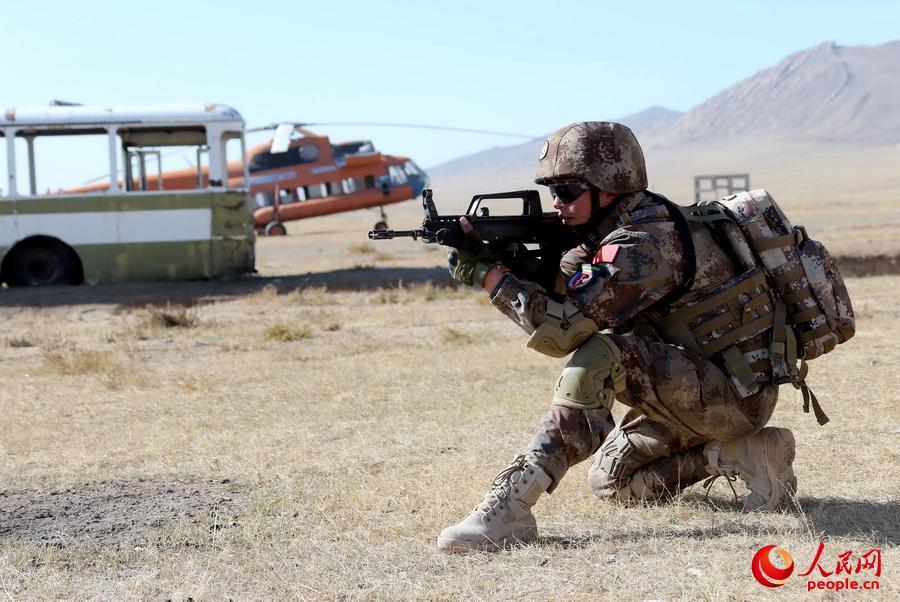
310, 176
299, 175
295, 178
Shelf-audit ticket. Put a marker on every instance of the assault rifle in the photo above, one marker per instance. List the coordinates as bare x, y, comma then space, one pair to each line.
530, 243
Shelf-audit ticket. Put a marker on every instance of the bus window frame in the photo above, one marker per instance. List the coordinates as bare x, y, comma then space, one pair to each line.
216, 134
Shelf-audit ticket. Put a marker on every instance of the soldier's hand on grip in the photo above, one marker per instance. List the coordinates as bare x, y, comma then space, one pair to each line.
470, 263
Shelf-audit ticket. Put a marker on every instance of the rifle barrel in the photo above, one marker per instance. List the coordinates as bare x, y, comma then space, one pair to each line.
389, 234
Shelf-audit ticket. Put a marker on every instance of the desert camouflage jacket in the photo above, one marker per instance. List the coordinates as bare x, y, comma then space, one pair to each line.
633, 259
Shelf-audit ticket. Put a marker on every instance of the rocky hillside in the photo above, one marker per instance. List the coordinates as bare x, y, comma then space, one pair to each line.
826, 96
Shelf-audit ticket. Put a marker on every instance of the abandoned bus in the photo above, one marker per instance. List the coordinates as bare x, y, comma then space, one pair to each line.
131, 229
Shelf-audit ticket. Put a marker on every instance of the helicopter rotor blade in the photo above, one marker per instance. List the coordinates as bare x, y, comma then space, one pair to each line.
282, 139
421, 126
275, 126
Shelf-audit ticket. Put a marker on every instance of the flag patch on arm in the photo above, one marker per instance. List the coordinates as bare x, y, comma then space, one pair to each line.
606, 254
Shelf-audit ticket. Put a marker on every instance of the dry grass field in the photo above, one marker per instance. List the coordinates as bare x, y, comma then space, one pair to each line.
306, 433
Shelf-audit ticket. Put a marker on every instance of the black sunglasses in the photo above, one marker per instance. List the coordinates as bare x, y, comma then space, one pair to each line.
567, 192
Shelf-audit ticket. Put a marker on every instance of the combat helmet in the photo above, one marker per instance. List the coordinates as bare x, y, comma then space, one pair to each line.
603, 153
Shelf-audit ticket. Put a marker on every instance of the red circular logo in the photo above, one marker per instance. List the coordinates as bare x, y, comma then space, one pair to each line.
767, 573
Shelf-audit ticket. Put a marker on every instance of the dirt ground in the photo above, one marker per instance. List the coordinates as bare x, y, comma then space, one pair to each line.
306, 433
108, 513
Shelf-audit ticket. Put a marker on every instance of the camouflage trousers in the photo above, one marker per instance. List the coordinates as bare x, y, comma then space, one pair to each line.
678, 402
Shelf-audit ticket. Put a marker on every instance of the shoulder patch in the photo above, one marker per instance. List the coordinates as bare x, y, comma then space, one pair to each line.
581, 278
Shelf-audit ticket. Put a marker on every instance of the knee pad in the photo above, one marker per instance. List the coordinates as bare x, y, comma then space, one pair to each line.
564, 328
617, 460
633, 488
593, 376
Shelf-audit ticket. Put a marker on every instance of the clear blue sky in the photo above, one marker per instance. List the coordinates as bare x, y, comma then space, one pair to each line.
522, 66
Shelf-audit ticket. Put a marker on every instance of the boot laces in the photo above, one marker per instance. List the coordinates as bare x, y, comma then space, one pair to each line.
729, 478
730, 472
502, 486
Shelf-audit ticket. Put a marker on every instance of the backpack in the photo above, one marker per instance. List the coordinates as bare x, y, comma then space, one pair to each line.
812, 309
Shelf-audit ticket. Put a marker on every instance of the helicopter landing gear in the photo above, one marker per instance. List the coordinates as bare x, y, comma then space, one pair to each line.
275, 229
382, 223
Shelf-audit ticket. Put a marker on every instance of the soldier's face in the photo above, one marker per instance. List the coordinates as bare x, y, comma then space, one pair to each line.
577, 212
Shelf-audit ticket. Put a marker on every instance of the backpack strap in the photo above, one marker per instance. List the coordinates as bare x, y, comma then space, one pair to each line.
809, 396
677, 213
783, 351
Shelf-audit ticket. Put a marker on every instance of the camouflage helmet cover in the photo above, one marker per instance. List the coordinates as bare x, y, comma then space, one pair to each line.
603, 153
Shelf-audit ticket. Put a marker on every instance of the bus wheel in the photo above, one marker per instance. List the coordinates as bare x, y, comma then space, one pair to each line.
275, 229
380, 225
43, 261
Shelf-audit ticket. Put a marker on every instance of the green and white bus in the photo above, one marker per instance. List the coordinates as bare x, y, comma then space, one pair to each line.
134, 225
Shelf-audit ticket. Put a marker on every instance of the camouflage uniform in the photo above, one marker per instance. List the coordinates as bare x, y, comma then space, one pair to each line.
632, 277
632, 259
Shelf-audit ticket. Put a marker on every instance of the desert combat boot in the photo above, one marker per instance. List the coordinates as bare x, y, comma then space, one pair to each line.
504, 514
763, 461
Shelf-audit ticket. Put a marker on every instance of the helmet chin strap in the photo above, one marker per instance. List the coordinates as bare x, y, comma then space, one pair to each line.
595, 201
588, 230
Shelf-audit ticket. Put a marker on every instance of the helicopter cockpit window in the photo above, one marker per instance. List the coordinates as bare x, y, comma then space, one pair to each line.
398, 176
412, 169
308, 153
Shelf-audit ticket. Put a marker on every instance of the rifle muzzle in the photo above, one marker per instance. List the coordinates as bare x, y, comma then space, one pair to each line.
389, 234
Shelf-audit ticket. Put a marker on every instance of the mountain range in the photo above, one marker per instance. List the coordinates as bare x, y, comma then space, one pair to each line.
827, 96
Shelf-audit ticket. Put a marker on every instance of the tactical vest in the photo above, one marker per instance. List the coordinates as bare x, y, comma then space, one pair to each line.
787, 305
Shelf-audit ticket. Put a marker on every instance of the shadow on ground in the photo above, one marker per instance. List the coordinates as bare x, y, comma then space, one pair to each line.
835, 517
879, 521
188, 293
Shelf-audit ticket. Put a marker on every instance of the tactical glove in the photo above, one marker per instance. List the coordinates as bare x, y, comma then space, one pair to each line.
467, 268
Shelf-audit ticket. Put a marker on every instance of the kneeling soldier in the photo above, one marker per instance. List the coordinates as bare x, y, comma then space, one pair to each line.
690, 416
